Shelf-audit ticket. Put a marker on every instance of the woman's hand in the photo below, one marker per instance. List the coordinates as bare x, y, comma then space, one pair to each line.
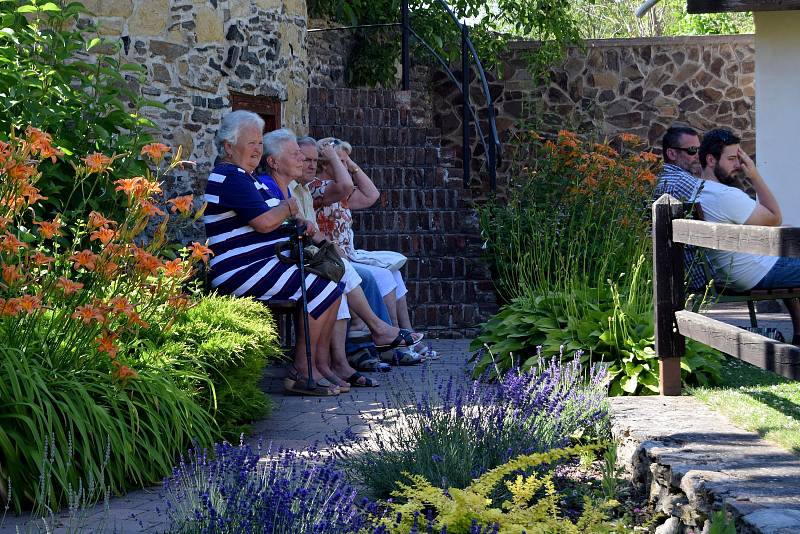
309, 226
294, 207
327, 152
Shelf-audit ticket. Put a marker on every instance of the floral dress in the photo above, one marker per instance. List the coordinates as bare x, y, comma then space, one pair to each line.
334, 221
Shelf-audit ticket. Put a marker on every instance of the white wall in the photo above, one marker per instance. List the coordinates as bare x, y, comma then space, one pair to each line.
778, 107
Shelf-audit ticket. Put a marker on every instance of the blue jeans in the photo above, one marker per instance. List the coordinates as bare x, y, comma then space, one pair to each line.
784, 274
375, 301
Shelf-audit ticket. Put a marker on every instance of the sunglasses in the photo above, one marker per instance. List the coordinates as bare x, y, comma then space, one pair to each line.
691, 150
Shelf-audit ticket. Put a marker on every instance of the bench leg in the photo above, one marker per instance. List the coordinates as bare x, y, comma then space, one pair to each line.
751, 307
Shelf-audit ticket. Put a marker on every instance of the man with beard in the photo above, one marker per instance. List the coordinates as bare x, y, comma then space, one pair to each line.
721, 158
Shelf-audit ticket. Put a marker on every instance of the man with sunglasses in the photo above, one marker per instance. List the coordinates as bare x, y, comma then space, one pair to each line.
678, 179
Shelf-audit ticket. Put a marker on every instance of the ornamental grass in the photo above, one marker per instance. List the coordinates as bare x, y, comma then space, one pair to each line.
75, 296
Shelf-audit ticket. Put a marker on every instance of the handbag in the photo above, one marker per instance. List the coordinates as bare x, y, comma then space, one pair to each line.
321, 259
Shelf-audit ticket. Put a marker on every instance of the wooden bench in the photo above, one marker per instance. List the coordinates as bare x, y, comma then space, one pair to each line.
673, 323
717, 292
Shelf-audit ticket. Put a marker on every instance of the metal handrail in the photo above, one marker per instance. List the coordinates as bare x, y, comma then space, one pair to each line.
492, 148
449, 73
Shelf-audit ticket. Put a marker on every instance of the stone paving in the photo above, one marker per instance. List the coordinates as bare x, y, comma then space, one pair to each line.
693, 455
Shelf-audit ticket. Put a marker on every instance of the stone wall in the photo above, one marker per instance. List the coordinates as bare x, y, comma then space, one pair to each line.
423, 210
619, 85
327, 54
196, 52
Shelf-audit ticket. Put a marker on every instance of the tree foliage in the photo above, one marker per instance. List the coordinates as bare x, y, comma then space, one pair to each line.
491, 25
56, 73
602, 19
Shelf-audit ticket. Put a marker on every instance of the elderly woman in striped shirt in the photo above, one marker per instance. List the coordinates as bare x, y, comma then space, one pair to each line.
243, 224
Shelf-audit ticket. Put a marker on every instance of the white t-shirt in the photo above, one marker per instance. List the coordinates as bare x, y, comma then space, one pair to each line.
724, 204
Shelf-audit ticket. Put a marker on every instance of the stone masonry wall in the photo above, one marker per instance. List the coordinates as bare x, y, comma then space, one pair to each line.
197, 51
618, 85
423, 211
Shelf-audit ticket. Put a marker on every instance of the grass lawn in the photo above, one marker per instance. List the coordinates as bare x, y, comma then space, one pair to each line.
757, 400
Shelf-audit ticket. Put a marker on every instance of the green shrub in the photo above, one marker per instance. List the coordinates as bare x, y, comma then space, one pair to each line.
59, 75
533, 504
230, 340
60, 422
602, 325
571, 250
74, 300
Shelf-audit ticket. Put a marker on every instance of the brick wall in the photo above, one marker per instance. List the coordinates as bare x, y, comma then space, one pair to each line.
423, 211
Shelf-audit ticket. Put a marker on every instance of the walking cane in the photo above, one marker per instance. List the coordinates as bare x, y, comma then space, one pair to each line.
300, 228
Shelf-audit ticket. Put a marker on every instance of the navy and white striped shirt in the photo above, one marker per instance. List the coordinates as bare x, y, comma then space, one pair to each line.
244, 261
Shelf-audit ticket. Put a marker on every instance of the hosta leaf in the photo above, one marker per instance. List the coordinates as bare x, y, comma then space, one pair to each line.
630, 383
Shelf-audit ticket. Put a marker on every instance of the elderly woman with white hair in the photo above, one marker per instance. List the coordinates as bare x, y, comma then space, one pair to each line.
243, 224
285, 180
335, 220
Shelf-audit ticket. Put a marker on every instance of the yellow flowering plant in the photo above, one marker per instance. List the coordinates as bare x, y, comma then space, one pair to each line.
532, 506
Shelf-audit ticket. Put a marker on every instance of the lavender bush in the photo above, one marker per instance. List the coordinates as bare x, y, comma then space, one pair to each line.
239, 490
462, 429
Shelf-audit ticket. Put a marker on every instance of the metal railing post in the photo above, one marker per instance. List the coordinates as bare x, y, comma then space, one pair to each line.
465, 109
492, 152
405, 51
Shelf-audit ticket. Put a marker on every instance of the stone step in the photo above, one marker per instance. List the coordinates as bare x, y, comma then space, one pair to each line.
691, 460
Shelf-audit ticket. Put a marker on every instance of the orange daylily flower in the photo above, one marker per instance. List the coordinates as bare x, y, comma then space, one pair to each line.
41, 144
137, 186
4, 222
105, 343
97, 162
107, 268
649, 177
97, 220
649, 157
145, 262
29, 303
32, 194
10, 308
135, 319
49, 229
104, 235
124, 373
40, 258
21, 172
68, 286
174, 268
88, 313
155, 151
121, 305
150, 209
181, 204
10, 243
84, 258
180, 302
11, 274
200, 252
630, 138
